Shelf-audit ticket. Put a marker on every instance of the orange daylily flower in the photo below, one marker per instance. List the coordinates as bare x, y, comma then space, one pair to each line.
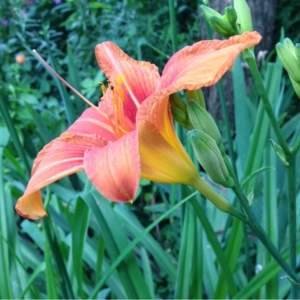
130, 134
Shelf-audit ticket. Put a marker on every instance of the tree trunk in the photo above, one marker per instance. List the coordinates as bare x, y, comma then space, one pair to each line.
263, 17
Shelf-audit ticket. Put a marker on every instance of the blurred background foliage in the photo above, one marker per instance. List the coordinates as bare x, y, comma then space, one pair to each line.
67, 255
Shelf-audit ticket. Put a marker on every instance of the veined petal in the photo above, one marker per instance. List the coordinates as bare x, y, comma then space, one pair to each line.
115, 168
161, 162
135, 80
61, 157
93, 121
205, 62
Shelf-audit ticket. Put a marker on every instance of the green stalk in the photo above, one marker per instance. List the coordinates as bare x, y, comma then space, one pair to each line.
264, 97
172, 14
270, 215
260, 233
221, 203
292, 219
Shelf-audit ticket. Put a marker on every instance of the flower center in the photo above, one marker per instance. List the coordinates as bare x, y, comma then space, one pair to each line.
113, 98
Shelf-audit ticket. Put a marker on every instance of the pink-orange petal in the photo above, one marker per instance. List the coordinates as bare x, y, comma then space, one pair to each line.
136, 79
61, 157
115, 169
93, 122
205, 62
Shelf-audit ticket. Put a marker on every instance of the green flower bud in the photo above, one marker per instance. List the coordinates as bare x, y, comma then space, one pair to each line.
179, 116
202, 120
177, 102
279, 152
286, 52
210, 158
208, 13
197, 96
231, 15
244, 20
218, 22
222, 26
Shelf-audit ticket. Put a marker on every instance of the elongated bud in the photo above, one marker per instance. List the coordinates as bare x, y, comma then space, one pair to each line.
210, 158
287, 54
222, 26
179, 111
176, 101
244, 20
231, 15
202, 120
208, 13
197, 96
179, 116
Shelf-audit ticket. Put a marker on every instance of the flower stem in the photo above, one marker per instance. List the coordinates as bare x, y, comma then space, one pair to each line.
221, 203
260, 233
264, 97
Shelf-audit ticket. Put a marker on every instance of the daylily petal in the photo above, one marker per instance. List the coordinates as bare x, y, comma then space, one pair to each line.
115, 169
135, 80
61, 157
160, 161
205, 62
157, 112
93, 121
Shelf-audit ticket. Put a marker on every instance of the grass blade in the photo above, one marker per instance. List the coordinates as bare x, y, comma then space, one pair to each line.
49, 274
129, 272
182, 285
79, 231
147, 272
131, 245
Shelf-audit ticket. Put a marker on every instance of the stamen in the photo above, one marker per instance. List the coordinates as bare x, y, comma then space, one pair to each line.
118, 124
120, 79
44, 63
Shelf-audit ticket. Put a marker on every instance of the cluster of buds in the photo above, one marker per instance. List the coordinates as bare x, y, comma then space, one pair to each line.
236, 19
207, 143
204, 135
225, 24
289, 55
